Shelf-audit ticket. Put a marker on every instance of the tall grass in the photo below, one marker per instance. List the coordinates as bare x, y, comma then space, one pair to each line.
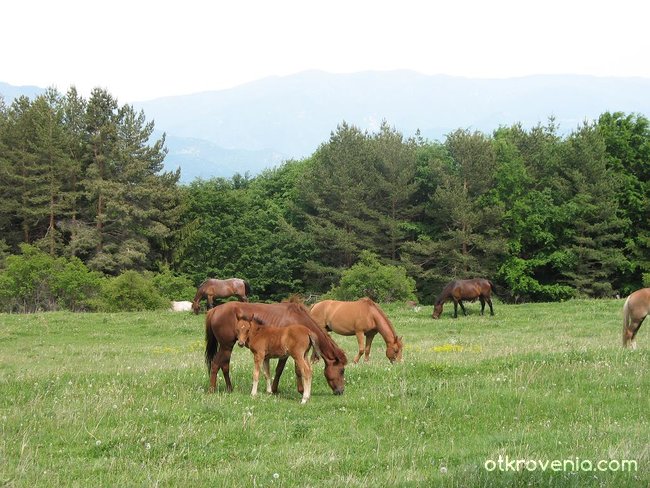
120, 400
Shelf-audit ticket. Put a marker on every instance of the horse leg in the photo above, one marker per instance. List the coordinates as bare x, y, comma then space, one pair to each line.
370, 335
482, 300
460, 302
209, 302
359, 335
306, 373
300, 381
455, 308
267, 374
221, 361
489, 302
278, 373
214, 369
257, 360
635, 330
225, 368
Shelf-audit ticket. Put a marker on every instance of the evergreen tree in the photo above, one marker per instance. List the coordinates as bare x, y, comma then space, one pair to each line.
336, 193
627, 143
596, 230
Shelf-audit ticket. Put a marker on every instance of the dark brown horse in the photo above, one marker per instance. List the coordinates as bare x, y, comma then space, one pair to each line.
212, 288
460, 290
221, 335
635, 310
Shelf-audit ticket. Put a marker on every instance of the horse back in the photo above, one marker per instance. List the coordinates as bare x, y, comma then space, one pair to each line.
638, 303
345, 318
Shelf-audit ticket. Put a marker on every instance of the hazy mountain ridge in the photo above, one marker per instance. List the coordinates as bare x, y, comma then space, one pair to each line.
262, 123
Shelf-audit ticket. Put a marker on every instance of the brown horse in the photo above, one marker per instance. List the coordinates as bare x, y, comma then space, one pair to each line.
360, 318
267, 342
212, 288
221, 335
635, 310
460, 290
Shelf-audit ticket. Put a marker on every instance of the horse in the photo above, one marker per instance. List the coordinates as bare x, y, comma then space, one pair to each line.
221, 335
459, 290
635, 310
267, 342
212, 288
361, 318
182, 306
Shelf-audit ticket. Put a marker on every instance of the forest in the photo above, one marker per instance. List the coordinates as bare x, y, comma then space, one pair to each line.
546, 215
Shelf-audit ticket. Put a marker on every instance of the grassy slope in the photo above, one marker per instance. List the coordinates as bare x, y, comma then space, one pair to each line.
119, 400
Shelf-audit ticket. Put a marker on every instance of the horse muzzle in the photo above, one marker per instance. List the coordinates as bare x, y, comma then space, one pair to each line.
241, 344
339, 391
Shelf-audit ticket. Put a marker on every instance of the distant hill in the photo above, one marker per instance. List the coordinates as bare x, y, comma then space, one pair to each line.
262, 123
289, 117
9, 92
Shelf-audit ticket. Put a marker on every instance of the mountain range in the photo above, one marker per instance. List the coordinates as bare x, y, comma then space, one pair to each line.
262, 123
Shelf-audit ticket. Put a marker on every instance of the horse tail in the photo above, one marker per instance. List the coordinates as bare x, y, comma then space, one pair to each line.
626, 321
247, 288
494, 288
313, 342
211, 343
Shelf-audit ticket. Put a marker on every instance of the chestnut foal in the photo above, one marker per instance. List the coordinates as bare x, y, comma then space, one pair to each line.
266, 342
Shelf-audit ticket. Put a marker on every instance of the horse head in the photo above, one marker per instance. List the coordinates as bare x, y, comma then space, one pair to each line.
394, 350
243, 329
437, 310
335, 375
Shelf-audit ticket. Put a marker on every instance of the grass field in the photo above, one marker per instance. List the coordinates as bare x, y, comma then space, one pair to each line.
120, 400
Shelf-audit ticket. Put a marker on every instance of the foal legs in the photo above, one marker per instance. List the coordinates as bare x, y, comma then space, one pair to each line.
303, 365
267, 374
257, 361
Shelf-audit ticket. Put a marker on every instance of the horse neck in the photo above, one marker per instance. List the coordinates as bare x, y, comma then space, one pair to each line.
384, 326
198, 296
444, 294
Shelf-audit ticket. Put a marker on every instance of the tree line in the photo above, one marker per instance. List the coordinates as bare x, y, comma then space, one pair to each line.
544, 215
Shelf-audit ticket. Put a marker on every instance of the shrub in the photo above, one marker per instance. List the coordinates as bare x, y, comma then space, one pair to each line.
130, 291
174, 287
34, 280
381, 283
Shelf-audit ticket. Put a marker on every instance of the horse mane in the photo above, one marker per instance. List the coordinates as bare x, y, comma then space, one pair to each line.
328, 347
446, 291
382, 314
294, 298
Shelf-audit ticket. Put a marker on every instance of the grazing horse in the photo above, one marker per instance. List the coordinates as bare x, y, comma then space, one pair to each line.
212, 288
460, 290
221, 335
360, 318
267, 342
635, 310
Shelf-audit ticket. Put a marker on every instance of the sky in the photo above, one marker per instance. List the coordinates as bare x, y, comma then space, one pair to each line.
142, 49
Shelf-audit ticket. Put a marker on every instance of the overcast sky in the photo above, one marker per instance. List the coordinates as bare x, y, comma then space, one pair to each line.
140, 50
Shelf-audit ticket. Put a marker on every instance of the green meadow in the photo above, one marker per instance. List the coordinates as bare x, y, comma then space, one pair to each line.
538, 395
